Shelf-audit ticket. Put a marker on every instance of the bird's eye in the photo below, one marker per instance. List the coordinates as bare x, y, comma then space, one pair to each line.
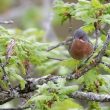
80, 37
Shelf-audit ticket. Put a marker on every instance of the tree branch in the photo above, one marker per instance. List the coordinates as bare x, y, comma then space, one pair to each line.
91, 96
7, 22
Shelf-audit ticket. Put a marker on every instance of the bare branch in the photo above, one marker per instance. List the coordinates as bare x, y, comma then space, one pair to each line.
7, 22
66, 42
18, 108
59, 59
107, 65
10, 47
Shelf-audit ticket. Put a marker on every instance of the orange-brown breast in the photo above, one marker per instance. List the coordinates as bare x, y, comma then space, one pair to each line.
80, 49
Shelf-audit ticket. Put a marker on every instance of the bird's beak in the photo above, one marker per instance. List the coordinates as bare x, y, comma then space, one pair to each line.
81, 40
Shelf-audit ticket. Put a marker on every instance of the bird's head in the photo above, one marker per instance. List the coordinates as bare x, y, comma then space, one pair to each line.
81, 35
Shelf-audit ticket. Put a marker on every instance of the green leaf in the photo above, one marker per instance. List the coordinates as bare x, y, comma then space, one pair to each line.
83, 2
105, 88
106, 18
39, 98
66, 105
20, 79
88, 28
70, 63
91, 76
96, 4
103, 37
68, 89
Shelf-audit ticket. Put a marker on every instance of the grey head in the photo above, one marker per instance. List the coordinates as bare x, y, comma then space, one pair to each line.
80, 34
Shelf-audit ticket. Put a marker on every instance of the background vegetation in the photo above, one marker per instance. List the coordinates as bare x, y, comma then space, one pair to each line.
33, 78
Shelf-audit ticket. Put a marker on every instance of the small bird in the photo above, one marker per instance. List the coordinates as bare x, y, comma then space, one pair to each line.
80, 48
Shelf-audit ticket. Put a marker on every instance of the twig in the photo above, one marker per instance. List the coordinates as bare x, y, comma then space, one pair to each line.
18, 108
66, 42
9, 50
7, 22
96, 42
59, 59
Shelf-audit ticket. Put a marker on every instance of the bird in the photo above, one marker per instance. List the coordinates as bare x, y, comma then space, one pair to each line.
80, 48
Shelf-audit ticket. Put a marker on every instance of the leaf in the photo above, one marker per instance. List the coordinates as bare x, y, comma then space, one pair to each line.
3, 85
96, 4
22, 67
70, 63
103, 37
88, 28
20, 79
10, 47
63, 70
39, 99
105, 88
67, 104
68, 89
106, 18
90, 77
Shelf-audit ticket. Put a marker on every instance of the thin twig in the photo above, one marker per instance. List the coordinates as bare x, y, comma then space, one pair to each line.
66, 42
18, 108
59, 59
7, 22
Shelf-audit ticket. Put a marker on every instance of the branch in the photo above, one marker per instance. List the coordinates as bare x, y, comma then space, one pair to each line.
7, 22
31, 86
58, 59
66, 42
75, 95
91, 96
18, 108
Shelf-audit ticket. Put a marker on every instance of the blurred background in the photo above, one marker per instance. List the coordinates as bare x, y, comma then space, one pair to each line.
35, 13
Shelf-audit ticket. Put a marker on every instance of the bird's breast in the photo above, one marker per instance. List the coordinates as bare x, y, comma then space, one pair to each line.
80, 49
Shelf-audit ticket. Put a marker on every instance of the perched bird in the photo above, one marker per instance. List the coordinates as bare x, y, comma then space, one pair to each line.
80, 48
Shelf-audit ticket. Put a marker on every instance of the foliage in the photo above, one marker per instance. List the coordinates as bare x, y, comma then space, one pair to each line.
29, 57
5, 4
51, 95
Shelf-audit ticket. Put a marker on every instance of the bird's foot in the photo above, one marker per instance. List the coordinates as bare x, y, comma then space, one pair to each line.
93, 61
77, 73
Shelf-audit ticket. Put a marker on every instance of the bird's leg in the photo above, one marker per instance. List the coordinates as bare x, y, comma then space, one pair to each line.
77, 69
